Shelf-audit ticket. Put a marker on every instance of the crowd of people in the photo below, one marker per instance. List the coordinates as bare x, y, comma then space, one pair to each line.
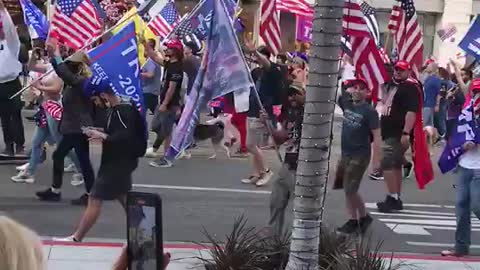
74, 111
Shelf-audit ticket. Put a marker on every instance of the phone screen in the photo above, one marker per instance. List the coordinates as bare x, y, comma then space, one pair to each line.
142, 234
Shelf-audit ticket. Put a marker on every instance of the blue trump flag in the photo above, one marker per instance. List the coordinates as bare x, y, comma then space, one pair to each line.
117, 61
35, 19
223, 71
471, 42
201, 18
466, 130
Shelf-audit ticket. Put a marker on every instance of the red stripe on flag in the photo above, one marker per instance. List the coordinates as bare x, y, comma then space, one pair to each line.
270, 26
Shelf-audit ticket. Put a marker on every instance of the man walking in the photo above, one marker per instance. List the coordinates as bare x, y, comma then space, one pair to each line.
360, 122
400, 106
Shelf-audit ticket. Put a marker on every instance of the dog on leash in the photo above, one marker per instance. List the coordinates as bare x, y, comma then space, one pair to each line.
220, 132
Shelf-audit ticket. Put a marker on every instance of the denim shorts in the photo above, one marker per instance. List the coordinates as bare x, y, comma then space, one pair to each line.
427, 116
163, 122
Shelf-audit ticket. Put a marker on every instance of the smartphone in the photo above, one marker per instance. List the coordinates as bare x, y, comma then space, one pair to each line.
144, 231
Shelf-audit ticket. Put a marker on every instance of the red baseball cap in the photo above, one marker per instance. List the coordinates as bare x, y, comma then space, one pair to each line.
175, 44
475, 85
403, 65
356, 81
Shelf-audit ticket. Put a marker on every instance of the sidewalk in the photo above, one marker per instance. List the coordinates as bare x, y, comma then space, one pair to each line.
100, 256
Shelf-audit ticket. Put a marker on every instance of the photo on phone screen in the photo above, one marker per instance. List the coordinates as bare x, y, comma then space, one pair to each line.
144, 231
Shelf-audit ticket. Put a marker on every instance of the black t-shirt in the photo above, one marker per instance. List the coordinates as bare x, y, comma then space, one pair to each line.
270, 86
173, 73
405, 99
294, 119
358, 122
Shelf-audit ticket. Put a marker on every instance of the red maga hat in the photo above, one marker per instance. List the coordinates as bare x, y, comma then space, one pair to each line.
175, 44
356, 81
475, 85
402, 64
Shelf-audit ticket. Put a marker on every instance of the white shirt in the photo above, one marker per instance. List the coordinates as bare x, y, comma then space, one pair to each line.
471, 159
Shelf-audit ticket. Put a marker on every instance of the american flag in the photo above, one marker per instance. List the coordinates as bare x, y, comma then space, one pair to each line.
371, 20
297, 7
366, 58
447, 32
165, 21
184, 28
407, 34
76, 22
270, 25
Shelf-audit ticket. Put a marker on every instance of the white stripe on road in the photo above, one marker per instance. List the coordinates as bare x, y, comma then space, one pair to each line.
374, 205
425, 222
202, 189
429, 244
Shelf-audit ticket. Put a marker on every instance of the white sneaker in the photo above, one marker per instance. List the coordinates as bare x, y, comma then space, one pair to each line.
23, 177
77, 179
185, 154
265, 178
70, 168
151, 153
161, 163
70, 238
252, 179
22, 167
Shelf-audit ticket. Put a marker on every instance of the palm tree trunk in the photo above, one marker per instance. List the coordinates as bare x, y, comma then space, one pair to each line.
313, 165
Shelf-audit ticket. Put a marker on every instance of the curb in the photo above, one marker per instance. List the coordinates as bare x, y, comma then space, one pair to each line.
172, 245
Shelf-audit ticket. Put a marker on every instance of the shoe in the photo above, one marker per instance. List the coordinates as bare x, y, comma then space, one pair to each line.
185, 154
390, 204
83, 200
23, 177
8, 152
70, 238
20, 151
349, 227
365, 223
22, 167
240, 154
265, 178
77, 179
49, 195
407, 170
161, 163
451, 253
151, 153
252, 179
70, 168
376, 175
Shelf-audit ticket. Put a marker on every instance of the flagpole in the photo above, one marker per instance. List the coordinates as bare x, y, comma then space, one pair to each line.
81, 49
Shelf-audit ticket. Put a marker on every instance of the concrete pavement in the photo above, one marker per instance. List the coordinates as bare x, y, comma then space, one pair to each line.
100, 256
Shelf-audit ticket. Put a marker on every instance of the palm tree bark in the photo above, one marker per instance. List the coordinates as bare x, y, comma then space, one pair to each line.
313, 164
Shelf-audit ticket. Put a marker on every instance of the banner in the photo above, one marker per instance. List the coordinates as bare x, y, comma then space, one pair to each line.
223, 70
471, 42
304, 28
201, 18
466, 131
117, 61
37, 22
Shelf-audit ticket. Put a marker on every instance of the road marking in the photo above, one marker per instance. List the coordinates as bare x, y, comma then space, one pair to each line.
431, 244
400, 214
374, 205
407, 229
202, 189
425, 222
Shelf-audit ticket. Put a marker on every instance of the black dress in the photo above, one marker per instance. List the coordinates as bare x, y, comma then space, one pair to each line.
118, 163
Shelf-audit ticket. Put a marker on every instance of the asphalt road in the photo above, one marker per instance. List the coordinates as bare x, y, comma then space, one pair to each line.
201, 193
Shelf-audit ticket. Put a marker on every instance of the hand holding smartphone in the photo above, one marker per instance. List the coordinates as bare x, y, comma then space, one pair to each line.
144, 231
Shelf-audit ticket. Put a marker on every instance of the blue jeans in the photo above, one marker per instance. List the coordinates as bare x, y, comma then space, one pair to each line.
441, 118
467, 201
49, 134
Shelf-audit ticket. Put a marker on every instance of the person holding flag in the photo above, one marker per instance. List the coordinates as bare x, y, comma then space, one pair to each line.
77, 113
467, 136
169, 102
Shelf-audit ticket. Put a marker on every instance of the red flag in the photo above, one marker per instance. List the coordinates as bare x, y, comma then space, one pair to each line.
421, 156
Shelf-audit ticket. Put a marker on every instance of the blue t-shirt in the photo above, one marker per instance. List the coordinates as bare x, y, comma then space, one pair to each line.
432, 87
